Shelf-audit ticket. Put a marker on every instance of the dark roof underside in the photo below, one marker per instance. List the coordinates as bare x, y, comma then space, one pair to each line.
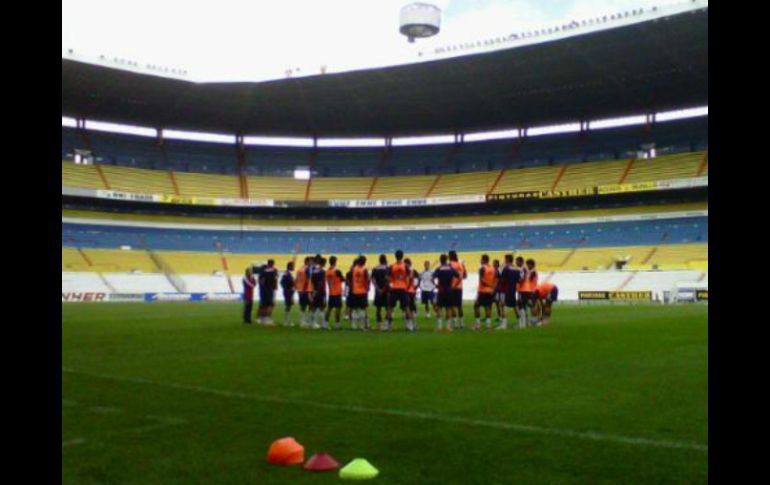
655, 65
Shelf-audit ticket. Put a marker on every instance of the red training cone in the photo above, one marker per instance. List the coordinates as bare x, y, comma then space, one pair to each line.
286, 451
321, 462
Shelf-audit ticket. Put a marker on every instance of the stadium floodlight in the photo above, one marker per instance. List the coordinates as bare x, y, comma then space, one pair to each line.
423, 140
69, 122
302, 173
197, 136
617, 122
419, 20
120, 128
682, 114
277, 141
491, 135
351, 142
553, 129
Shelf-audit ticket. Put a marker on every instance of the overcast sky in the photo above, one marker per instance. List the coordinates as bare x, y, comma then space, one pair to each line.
259, 39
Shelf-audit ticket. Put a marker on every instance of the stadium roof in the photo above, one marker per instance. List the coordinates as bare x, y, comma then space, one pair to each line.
650, 66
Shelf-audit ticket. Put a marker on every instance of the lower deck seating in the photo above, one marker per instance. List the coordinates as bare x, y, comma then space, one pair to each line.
671, 257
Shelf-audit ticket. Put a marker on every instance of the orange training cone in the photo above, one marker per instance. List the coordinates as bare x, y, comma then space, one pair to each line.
286, 451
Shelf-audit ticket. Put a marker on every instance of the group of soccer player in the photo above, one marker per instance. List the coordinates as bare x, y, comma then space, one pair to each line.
321, 290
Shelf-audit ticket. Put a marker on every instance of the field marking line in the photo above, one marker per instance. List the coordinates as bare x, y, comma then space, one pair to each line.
570, 433
76, 441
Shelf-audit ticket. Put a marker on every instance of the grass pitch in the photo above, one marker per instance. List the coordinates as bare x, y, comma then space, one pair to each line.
184, 393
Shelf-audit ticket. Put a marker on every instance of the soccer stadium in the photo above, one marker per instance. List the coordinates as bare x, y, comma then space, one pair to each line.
471, 260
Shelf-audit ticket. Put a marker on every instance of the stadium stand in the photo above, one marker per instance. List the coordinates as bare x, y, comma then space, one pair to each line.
139, 180
589, 174
279, 188
666, 167
402, 187
669, 233
86, 176
472, 183
602, 145
326, 188
323, 188
207, 185
525, 179
362, 219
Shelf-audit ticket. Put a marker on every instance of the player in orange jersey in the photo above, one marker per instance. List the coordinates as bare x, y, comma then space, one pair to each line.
457, 290
546, 293
304, 288
485, 296
398, 279
359, 293
411, 291
334, 280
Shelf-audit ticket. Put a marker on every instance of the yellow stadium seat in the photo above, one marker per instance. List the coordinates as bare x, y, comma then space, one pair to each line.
327, 188
590, 174
526, 179
674, 256
471, 183
138, 180
278, 188
666, 167
85, 176
403, 187
208, 185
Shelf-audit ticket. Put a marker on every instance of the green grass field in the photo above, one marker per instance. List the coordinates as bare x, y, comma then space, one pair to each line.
184, 393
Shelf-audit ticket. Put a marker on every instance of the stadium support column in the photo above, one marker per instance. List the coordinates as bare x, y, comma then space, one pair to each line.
161, 142
387, 152
240, 153
313, 157
80, 128
456, 146
628, 169
703, 164
559, 176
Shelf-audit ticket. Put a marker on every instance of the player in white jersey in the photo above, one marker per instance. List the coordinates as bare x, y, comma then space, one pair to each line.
428, 290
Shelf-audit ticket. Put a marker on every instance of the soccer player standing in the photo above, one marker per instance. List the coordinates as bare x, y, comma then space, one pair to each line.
334, 281
249, 282
428, 290
288, 287
529, 286
268, 283
510, 277
443, 276
304, 289
413, 281
457, 289
499, 292
318, 300
486, 293
398, 276
359, 294
381, 288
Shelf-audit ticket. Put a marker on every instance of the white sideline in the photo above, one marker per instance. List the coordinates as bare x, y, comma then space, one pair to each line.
590, 435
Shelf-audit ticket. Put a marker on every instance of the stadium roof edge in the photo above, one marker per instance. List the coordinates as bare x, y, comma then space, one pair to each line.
656, 65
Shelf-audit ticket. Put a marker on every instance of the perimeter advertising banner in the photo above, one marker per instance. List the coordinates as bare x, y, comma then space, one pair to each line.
369, 203
615, 295
702, 295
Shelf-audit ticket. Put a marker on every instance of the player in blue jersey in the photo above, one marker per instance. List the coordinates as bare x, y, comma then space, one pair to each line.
443, 276
288, 287
381, 288
510, 277
268, 283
